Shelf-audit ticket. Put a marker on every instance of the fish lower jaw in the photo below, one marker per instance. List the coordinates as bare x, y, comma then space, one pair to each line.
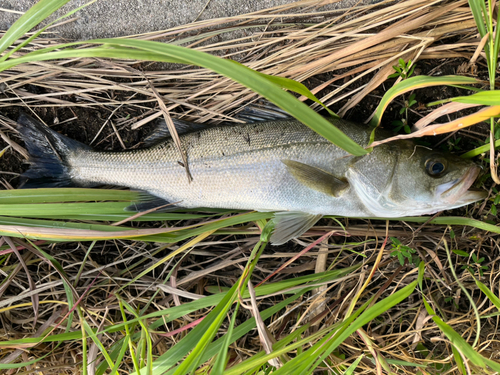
471, 196
458, 191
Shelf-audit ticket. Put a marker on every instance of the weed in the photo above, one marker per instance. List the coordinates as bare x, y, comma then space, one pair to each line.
474, 266
404, 70
403, 252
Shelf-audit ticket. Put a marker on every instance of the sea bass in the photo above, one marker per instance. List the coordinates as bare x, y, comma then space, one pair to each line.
278, 165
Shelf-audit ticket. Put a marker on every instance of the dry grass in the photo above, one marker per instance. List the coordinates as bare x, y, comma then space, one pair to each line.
356, 48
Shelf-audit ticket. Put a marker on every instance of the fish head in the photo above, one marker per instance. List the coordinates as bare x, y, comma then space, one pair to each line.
416, 180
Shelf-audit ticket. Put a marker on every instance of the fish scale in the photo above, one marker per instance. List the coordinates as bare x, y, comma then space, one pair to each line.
246, 159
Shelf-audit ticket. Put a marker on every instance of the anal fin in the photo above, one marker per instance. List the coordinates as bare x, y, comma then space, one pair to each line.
291, 224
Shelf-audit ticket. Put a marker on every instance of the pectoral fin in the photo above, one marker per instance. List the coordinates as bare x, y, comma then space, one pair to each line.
288, 225
315, 178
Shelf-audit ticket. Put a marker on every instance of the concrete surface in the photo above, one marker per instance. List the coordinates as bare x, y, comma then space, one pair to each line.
113, 18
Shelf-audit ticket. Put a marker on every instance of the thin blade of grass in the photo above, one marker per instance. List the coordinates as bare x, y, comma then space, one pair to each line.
441, 111
41, 10
414, 83
480, 150
50, 195
462, 345
460, 123
491, 296
257, 82
35, 298
368, 315
490, 97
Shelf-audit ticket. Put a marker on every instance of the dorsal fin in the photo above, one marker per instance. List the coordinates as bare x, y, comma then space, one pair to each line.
262, 112
250, 114
161, 132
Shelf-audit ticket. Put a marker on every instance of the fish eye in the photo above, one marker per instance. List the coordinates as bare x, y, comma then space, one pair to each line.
435, 168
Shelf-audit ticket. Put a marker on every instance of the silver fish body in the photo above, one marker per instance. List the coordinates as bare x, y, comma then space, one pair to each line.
278, 165
237, 167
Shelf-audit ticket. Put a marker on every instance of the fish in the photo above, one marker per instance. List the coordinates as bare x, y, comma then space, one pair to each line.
277, 165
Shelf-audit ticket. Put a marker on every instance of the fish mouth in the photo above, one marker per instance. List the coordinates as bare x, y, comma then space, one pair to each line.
459, 192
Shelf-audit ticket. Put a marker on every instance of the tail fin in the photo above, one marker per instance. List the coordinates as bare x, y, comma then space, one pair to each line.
49, 152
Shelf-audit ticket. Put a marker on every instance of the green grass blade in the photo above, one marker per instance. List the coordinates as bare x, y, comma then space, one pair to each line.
221, 360
312, 358
36, 14
496, 44
462, 345
51, 195
67, 231
444, 220
167, 315
306, 359
475, 6
480, 150
414, 83
119, 357
458, 360
280, 349
258, 82
490, 97
248, 325
36, 34
367, 316
299, 88
353, 366
217, 316
491, 296
98, 342
195, 340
